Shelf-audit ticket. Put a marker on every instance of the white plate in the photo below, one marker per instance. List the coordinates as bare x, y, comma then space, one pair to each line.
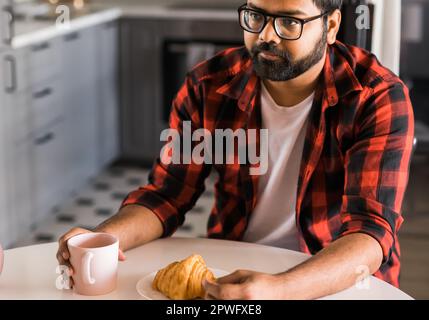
144, 285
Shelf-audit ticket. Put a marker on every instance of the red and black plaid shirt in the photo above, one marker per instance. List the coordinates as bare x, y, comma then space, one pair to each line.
355, 162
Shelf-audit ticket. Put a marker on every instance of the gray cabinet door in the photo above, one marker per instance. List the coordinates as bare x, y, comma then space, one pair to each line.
108, 83
143, 75
20, 188
15, 107
49, 168
6, 23
80, 103
4, 217
16, 199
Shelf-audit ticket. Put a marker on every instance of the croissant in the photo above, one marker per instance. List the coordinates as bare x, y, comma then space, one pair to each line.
183, 280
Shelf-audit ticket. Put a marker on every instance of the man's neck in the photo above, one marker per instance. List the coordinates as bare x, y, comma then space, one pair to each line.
290, 93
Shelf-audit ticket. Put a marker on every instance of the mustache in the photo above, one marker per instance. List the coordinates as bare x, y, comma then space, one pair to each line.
269, 47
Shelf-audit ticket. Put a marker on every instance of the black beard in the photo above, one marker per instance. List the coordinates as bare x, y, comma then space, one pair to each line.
286, 69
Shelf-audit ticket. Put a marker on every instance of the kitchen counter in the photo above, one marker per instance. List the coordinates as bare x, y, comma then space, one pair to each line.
29, 31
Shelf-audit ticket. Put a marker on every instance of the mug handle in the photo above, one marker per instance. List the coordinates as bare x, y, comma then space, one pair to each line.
86, 268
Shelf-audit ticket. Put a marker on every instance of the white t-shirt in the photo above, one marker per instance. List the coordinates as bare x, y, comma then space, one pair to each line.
273, 221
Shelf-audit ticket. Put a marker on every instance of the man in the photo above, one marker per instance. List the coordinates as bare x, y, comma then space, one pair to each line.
340, 139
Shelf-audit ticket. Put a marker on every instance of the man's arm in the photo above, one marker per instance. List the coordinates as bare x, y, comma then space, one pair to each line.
333, 269
135, 225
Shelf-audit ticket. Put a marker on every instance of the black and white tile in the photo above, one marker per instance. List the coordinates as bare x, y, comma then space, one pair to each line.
102, 197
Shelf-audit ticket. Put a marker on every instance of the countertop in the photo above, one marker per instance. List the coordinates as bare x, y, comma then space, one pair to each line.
29, 31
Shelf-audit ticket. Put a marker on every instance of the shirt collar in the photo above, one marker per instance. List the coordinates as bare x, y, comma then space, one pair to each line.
339, 73
243, 85
338, 76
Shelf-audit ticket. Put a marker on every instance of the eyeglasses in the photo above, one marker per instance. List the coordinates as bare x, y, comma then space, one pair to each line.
286, 27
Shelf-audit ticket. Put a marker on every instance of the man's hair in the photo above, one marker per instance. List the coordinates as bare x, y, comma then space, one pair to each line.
328, 5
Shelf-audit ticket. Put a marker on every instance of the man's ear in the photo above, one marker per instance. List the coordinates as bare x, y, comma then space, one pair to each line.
334, 22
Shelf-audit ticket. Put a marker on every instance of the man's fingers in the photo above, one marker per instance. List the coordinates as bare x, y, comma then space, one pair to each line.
234, 278
223, 291
211, 288
63, 251
121, 255
66, 263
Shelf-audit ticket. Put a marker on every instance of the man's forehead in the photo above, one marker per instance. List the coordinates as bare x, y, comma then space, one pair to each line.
283, 6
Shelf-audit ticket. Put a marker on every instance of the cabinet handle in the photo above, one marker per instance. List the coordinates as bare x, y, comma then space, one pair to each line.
42, 93
45, 139
71, 36
40, 47
8, 27
11, 62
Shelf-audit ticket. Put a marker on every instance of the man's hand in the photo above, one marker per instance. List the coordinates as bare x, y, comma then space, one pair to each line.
244, 285
63, 254
134, 225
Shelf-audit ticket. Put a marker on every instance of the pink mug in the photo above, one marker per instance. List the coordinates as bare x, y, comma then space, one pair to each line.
94, 257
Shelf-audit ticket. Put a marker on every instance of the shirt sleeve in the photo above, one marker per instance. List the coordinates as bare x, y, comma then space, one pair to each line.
173, 188
377, 165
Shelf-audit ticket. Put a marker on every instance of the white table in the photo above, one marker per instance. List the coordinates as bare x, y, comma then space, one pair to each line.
30, 272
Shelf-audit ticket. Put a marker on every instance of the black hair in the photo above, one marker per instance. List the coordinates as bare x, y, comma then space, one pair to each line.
328, 5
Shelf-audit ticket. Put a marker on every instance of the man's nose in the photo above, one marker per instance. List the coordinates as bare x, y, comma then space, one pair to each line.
268, 34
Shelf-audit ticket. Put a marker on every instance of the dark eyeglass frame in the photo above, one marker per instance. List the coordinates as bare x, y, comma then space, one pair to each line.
275, 16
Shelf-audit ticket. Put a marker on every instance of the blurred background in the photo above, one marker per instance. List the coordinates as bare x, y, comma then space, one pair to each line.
86, 88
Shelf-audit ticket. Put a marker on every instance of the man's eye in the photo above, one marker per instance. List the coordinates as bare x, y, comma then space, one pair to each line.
255, 16
289, 22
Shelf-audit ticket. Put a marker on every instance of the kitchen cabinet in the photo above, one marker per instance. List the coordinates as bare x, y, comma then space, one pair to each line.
3, 198
4, 216
80, 98
46, 89
21, 194
108, 83
15, 106
46, 103
49, 167
59, 122
45, 60
143, 103
4, 30
6, 23
46, 135
15, 158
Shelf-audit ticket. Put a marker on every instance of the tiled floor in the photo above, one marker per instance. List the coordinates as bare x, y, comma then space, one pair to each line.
102, 197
